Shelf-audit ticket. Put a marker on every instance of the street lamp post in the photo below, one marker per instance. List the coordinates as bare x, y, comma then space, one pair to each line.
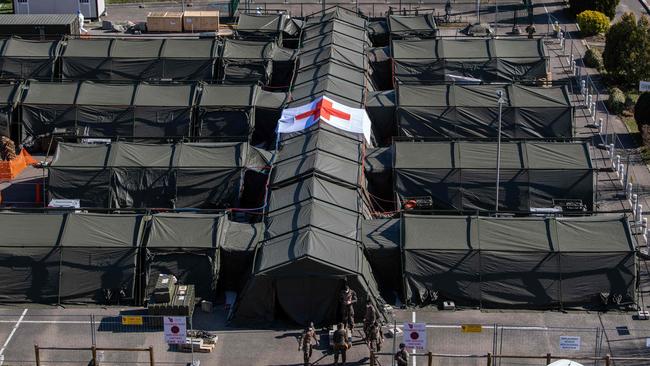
500, 101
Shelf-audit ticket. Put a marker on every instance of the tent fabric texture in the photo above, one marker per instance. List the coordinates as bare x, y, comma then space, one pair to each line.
28, 59
312, 241
264, 26
255, 61
75, 258
461, 175
420, 26
472, 111
186, 246
108, 110
122, 175
140, 60
489, 60
518, 262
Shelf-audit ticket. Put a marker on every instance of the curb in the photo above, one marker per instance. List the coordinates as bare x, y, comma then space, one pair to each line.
645, 5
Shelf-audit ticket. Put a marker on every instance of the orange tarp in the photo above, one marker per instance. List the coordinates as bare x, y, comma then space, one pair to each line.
10, 169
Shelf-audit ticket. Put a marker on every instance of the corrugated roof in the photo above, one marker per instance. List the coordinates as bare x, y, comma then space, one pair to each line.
37, 19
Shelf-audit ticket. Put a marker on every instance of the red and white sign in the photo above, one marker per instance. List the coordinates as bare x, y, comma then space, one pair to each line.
325, 109
175, 330
415, 335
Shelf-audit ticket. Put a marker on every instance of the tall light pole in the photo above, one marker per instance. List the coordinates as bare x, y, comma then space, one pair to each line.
500, 101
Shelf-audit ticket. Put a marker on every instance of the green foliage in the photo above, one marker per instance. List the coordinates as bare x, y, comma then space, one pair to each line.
593, 58
607, 7
627, 50
616, 101
630, 100
642, 110
592, 22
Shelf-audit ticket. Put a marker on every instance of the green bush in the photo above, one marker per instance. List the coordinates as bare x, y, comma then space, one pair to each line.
642, 110
627, 51
616, 101
630, 101
593, 58
607, 7
592, 22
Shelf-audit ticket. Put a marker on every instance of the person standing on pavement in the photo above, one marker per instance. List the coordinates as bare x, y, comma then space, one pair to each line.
307, 341
347, 299
369, 318
341, 344
402, 357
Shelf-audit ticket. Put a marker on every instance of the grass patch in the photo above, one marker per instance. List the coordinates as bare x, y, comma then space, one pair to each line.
630, 123
645, 154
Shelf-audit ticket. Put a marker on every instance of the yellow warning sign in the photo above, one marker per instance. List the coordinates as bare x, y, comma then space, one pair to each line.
471, 328
131, 320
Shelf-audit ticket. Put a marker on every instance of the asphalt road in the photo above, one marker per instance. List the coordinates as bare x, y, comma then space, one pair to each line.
633, 6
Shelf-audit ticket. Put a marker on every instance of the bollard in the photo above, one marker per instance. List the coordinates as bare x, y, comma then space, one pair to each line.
583, 84
628, 191
93, 350
608, 360
430, 357
593, 111
548, 358
612, 150
639, 213
151, 359
489, 359
633, 205
574, 68
599, 124
37, 354
621, 174
588, 101
617, 165
644, 226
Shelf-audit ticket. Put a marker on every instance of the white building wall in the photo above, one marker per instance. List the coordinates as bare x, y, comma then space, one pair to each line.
87, 7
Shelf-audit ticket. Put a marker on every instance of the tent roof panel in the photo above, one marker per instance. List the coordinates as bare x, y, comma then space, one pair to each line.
102, 230
125, 154
228, 95
99, 48
184, 230
381, 233
190, 48
22, 48
30, 230
176, 95
213, 155
594, 234
515, 234
247, 50
422, 232
271, 100
334, 26
558, 155
329, 249
9, 93
323, 140
330, 69
148, 48
242, 237
105, 94
267, 23
314, 187
81, 155
470, 49
338, 13
50, 93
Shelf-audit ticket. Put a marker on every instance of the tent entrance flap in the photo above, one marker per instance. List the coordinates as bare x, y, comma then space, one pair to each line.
307, 299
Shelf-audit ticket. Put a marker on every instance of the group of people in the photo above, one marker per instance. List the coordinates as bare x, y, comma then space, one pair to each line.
342, 336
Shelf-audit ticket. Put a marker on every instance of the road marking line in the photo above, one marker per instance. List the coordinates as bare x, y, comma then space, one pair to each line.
13, 331
50, 321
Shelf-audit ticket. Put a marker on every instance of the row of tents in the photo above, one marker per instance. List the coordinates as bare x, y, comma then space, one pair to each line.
531, 262
77, 109
461, 176
181, 175
453, 111
113, 59
116, 258
312, 245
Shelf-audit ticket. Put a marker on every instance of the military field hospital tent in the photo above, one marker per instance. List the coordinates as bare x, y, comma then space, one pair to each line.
186, 246
138, 60
488, 60
121, 175
412, 26
73, 258
466, 111
530, 262
108, 110
462, 175
27, 59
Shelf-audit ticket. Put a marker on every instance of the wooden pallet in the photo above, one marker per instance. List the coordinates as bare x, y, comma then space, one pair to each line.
198, 344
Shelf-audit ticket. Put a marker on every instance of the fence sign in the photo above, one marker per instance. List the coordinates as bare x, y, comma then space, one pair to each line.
175, 330
415, 335
569, 343
131, 320
644, 86
471, 328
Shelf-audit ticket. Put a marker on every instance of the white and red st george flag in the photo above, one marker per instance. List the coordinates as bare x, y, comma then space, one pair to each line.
325, 109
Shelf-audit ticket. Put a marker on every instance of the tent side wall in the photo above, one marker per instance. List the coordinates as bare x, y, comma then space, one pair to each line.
29, 274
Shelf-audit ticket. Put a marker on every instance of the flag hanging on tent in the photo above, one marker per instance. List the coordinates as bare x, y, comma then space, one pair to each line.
325, 109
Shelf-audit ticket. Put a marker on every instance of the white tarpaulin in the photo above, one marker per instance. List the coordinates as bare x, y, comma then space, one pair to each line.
325, 109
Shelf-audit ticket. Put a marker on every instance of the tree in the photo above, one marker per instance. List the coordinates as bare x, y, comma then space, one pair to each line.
627, 50
607, 7
642, 110
592, 22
